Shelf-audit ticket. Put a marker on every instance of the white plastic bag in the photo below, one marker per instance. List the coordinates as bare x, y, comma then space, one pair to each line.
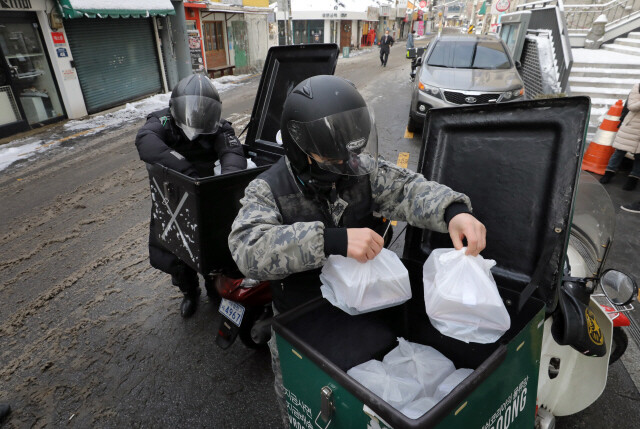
358, 288
396, 391
217, 168
418, 407
451, 382
461, 297
423, 363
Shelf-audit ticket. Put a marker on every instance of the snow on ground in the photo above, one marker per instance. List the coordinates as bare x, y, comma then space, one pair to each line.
131, 111
603, 56
27, 147
10, 153
225, 83
356, 53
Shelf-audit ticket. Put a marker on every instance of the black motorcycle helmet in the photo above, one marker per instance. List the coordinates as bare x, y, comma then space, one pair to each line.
326, 119
195, 106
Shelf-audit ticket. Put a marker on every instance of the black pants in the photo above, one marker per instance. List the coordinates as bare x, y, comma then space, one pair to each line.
182, 275
384, 55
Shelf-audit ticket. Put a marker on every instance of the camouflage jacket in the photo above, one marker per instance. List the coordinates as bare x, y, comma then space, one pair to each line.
265, 249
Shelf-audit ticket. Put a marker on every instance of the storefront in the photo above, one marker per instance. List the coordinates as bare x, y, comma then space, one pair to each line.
343, 28
236, 38
29, 94
115, 51
308, 31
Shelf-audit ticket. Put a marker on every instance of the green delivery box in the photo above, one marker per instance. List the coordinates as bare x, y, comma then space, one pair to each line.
519, 163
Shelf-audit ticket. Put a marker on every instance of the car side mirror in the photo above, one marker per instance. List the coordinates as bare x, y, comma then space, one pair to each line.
518, 65
419, 62
618, 287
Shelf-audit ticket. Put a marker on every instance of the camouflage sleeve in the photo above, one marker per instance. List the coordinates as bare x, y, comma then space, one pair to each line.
263, 248
408, 196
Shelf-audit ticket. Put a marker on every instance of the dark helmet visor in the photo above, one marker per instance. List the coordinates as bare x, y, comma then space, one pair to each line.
196, 115
345, 143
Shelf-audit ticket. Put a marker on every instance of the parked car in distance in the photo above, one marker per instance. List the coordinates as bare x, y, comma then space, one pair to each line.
460, 70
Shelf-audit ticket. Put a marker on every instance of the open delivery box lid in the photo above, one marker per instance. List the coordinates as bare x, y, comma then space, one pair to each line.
519, 164
193, 217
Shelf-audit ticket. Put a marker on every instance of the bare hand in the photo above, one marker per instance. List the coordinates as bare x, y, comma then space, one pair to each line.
364, 244
466, 226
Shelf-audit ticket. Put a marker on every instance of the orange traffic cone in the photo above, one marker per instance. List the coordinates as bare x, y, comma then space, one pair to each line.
601, 147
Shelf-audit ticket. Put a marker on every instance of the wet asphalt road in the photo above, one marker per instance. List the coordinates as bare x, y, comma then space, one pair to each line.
91, 335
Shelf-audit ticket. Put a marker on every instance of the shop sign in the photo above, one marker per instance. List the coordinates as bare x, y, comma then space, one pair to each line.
15, 4
58, 37
334, 15
62, 52
373, 13
195, 49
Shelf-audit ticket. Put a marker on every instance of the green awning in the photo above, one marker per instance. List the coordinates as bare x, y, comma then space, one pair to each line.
483, 8
115, 8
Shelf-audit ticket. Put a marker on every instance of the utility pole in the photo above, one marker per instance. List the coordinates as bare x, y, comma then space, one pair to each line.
289, 23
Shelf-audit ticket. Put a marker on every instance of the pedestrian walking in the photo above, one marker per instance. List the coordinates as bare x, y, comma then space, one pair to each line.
385, 46
410, 40
188, 137
627, 140
318, 200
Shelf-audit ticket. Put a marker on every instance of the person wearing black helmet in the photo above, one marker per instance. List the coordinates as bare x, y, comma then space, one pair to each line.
320, 198
189, 137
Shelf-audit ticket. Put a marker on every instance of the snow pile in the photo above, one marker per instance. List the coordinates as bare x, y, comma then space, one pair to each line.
359, 52
225, 83
137, 5
131, 112
548, 68
603, 56
328, 5
13, 152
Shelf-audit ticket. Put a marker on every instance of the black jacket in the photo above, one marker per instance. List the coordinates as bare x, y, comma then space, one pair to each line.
386, 42
160, 141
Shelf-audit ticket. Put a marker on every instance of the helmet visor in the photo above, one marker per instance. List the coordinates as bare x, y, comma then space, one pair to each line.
196, 115
345, 143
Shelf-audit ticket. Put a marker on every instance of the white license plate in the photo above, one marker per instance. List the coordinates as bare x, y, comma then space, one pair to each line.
232, 311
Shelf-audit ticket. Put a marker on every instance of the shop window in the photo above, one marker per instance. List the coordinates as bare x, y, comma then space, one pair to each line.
213, 36
27, 79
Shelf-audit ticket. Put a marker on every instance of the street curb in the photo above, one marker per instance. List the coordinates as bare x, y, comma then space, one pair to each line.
631, 361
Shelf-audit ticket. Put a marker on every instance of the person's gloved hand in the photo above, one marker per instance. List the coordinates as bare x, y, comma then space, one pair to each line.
364, 244
466, 226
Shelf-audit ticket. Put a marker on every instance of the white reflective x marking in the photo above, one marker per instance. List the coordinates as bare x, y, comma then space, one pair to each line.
173, 218
165, 200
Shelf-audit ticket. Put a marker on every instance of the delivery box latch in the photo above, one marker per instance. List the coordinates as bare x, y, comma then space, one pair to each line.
327, 407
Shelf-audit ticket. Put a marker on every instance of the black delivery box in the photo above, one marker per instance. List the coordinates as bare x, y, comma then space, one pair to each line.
193, 217
519, 163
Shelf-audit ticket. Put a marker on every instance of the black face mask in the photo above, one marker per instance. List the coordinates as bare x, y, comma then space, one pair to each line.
323, 177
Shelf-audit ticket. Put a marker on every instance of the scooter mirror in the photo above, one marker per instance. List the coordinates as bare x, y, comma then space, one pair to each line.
619, 287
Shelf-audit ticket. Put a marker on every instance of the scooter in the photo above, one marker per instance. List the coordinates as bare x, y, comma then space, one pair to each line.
583, 337
246, 311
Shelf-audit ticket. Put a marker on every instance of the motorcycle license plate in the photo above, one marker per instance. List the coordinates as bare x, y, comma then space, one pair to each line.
232, 311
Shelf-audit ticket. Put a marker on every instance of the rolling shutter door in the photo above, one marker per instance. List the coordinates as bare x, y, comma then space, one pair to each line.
116, 59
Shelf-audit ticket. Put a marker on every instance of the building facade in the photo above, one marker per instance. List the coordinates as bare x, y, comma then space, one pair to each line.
68, 58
